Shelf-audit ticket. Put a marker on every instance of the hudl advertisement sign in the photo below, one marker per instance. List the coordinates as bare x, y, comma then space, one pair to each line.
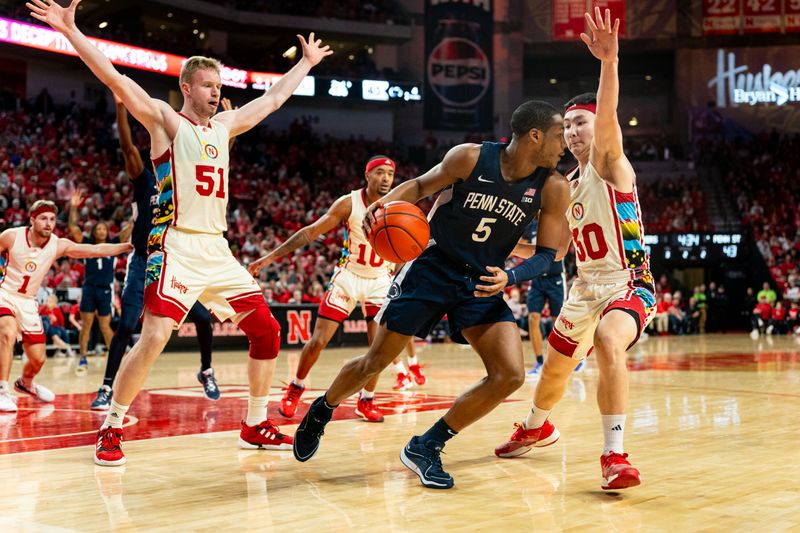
458, 73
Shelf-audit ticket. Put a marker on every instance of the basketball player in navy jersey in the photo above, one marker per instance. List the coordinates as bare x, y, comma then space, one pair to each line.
98, 282
145, 201
489, 195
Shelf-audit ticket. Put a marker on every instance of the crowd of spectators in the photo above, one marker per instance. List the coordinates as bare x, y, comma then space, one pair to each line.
674, 205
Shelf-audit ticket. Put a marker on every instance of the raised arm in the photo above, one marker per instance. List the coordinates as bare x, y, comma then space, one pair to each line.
457, 165
607, 148
249, 115
154, 114
131, 155
125, 233
75, 200
81, 251
338, 212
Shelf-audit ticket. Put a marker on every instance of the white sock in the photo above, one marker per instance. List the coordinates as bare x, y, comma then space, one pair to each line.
367, 394
536, 417
613, 431
399, 368
299, 382
412, 361
4, 387
256, 410
116, 415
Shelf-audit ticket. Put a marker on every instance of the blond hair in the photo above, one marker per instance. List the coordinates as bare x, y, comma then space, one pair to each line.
42, 205
195, 63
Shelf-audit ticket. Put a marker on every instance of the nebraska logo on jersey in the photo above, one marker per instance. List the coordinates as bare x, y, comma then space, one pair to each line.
577, 211
30, 266
210, 151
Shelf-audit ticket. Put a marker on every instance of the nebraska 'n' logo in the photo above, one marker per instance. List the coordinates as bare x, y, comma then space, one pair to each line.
299, 326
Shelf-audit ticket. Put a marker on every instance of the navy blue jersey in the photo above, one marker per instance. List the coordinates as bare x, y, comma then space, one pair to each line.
99, 270
145, 202
557, 267
477, 222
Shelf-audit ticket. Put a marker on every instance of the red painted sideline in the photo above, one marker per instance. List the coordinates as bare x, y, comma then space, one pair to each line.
773, 361
68, 422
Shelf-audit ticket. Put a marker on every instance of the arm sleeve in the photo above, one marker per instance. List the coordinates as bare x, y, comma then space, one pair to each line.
532, 267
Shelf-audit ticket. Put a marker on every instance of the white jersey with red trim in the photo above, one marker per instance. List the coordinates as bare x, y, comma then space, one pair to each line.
358, 256
606, 228
24, 266
192, 178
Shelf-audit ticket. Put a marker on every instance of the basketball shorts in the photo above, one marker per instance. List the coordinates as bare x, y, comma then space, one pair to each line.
183, 268
96, 298
588, 302
432, 286
548, 287
133, 290
26, 313
346, 290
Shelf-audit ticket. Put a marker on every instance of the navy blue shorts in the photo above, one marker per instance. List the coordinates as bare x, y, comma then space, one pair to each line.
133, 291
96, 298
552, 287
432, 286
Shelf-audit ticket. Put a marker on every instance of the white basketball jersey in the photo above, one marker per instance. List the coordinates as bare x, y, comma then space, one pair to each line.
357, 254
24, 267
192, 178
606, 228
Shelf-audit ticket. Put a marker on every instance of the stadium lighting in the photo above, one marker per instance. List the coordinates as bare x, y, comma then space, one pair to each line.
102, 25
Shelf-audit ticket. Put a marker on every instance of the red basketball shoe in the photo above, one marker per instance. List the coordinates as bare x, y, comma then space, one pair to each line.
290, 400
366, 409
416, 373
264, 436
403, 382
618, 472
522, 440
108, 450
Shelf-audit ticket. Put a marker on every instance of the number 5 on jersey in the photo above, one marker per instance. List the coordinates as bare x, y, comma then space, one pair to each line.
484, 229
205, 177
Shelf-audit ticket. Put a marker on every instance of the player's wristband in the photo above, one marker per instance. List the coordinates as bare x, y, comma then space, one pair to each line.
532, 267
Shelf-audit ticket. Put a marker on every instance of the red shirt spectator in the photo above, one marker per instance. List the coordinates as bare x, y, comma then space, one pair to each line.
763, 309
779, 312
55, 315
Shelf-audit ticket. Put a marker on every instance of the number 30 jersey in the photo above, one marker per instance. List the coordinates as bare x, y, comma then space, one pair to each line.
358, 256
23, 267
606, 228
477, 222
192, 178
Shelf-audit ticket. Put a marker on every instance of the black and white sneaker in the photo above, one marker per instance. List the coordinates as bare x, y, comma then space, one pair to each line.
210, 387
423, 459
102, 402
310, 431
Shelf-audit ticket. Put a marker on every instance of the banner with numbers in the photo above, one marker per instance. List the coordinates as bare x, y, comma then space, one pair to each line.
568, 20
791, 18
721, 17
762, 16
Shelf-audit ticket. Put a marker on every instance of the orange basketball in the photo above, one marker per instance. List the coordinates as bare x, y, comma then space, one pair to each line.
400, 233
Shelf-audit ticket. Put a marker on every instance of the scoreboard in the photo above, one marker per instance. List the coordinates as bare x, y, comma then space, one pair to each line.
732, 17
698, 248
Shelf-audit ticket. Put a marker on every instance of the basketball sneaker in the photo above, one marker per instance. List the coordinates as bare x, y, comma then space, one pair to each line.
403, 382
108, 450
522, 440
618, 472
8, 403
83, 366
102, 401
416, 373
290, 400
263, 436
209, 382
365, 408
534, 372
309, 432
41, 393
424, 460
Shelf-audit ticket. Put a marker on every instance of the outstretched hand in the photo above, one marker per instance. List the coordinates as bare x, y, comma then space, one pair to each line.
369, 218
604, 42
259, 264
313, 51
61, 19
76, 198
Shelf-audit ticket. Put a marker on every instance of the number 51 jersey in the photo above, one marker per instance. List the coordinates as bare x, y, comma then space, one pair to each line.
192, 178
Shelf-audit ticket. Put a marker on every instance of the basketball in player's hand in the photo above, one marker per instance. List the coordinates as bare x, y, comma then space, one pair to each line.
400, 232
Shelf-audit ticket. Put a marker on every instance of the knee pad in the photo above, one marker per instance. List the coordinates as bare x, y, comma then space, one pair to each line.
263, 332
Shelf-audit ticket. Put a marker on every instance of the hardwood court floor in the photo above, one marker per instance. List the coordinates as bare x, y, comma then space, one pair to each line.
713, 427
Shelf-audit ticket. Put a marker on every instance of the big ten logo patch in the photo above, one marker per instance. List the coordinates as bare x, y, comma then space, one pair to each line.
299, 326
209, 151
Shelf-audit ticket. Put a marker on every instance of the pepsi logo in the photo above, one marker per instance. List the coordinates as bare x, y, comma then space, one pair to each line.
459, 71
211, 151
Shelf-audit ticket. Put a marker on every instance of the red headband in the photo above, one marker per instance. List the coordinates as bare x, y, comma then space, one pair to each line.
586, 107
43, 209
380, 161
